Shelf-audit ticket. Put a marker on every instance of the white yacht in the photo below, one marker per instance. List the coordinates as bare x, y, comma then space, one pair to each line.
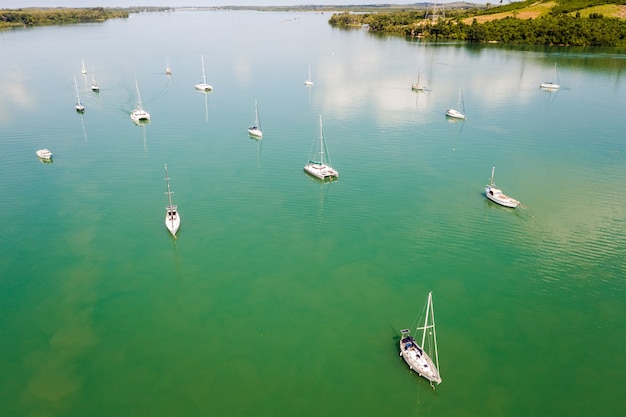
203, 86
44, 154
319, 164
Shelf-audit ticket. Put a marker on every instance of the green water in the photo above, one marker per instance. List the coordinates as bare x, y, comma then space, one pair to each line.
283, 295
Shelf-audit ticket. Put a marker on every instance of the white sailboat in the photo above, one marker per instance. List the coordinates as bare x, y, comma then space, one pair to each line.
497, 196
418, 86
255, 129
139, 114
83, 70
416, 355
168, 69
319, 164
460, 113
203, 86
94, 83
172, 217
554, 84
309, 81
79, 106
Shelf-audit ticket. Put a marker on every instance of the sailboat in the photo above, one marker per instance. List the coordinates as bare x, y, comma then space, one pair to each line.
94, 84
415, 355
418, 86
44, 154
82, 68
318, 166
309, 81
79, 106
460, 113
203, 86
172, 217
497, 196
139, 114
168, 69
554, 84
255, 129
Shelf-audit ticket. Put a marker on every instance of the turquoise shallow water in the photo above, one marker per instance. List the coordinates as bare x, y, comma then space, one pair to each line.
284, 295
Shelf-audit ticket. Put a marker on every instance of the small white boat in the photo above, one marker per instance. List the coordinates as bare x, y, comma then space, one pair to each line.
203, 86
172, 217
82, 68
44, 154
458, 114
416, 355
554, 84
255, 129
309, 81
139, 114
418, 86
319, 164
79, 106
497, 196
168, 69
94, 84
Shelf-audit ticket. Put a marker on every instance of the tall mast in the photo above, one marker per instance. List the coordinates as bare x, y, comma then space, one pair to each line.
203, 74
138, 96
169, 193
491, 179
321, 141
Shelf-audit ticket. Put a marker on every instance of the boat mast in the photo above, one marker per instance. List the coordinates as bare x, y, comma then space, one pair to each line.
321, 142
203, 74
491, 184
138, 96
256, 113
169, 193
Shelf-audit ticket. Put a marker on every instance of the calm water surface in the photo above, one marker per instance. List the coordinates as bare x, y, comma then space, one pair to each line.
284, 295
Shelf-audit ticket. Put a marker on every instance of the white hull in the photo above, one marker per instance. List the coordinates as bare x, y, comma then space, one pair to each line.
95, 88
455, 114
418, 360
549, 86
417, 87
321, 171
254, 131
204, 87
44, 154
309, 83
497, 196
172, 221
80, 108
139, 115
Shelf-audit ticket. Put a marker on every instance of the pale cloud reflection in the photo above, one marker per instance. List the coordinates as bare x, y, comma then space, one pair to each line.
13, 88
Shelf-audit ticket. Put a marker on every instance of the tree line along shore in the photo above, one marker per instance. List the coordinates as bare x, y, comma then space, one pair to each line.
561, 22
543, 22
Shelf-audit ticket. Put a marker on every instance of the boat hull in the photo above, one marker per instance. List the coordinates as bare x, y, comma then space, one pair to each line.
256, 132
172, 222
497, 196
321, 171
455, 114
140, 116
44, 154
417, 87
549, 86
204, 87
418, 360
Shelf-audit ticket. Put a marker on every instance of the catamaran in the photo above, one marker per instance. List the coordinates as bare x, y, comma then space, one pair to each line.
172, 217
83, 70
203, 86
139, 114
319, 163
255, 129
497, 196
415, 355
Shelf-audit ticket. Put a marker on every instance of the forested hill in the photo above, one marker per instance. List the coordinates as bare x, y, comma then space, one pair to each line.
556, 22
